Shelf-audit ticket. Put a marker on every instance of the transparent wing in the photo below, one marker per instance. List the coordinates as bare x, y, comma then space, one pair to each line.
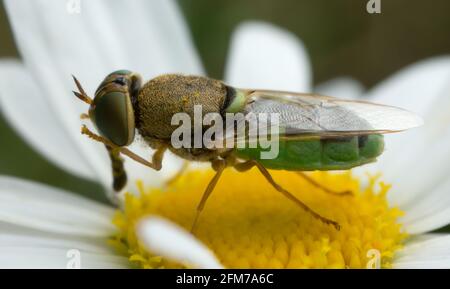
297, 115
320, 114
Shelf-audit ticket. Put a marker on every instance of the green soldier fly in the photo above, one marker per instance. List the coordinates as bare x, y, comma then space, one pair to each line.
315, 132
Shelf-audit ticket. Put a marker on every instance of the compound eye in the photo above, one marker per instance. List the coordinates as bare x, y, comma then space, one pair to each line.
120, 81
120, 72
114, 117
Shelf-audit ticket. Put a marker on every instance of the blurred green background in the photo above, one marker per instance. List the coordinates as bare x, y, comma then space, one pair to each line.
341, 37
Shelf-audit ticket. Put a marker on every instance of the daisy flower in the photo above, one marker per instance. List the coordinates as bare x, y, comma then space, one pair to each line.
245, 223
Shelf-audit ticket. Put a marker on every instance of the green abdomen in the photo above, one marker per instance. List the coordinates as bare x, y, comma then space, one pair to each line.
325, 154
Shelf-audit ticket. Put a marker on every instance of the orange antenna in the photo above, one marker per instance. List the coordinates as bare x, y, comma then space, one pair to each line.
81, 94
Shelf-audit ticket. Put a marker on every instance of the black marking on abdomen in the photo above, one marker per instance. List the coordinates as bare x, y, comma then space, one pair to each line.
230, 96
362, 140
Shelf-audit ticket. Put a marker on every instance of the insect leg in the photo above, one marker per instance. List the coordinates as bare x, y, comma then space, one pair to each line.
244, 166
156, 163
291, 197
220, 166
118, 171
326, 190
178, 174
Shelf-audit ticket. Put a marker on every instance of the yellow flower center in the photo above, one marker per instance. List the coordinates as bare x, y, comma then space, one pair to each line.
248, 224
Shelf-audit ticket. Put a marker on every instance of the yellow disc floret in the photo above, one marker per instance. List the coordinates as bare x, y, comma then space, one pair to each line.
248, 224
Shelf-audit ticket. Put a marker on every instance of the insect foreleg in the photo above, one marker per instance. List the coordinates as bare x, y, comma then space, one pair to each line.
219, 166
156, 163
326, 190
291, 197
118, 171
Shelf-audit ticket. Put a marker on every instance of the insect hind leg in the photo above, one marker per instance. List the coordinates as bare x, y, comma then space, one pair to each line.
325, 189
291, 197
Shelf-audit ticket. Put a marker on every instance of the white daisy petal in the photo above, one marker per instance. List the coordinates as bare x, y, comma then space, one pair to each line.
342, 87
54, 52
159, 41
27, 110
37, 257
171, 241
266, 57
93, 252
415, 87
429, 212
91, 44
48, 209
416, 184
429, 253
420, 88
31, 238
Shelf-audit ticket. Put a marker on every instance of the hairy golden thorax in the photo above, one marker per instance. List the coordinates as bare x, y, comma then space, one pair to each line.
163, 96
